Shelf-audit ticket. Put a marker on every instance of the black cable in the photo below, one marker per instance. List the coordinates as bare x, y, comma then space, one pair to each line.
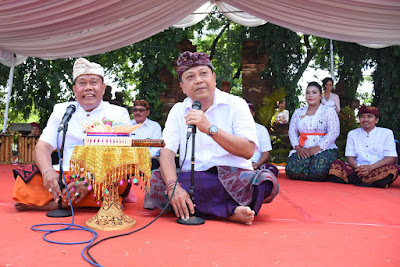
87, 248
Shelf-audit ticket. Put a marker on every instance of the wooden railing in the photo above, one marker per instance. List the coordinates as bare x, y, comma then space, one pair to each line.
26, 148
6, 142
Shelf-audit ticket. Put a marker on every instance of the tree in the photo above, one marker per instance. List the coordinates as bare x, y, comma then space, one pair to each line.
38, 85
387, 87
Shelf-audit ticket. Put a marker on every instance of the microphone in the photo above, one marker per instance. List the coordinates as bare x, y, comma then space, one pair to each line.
67, 116
192, 128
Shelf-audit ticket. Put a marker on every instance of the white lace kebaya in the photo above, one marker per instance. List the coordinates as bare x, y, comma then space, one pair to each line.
325, 120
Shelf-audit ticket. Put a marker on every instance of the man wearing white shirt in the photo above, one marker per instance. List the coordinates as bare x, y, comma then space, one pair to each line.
149, 129
261, 155
226, 185
41, 190
370, 153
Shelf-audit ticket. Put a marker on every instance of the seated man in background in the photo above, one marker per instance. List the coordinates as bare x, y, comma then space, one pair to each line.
35, 129
41, 190
261, 155
370, 153
149, 129
226, 185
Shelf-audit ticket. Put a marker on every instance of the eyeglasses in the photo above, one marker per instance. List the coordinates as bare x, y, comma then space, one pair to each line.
140, 110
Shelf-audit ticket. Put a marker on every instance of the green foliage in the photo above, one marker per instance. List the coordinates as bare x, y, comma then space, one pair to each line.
352, 58
267, 112
347, 123
387, 88
279, 155
223, 42
40, 84
287, 58
366, 98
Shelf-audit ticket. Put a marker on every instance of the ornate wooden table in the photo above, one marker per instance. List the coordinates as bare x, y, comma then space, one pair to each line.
105, 168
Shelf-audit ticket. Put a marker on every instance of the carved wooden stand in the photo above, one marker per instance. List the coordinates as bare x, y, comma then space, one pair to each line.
110, 217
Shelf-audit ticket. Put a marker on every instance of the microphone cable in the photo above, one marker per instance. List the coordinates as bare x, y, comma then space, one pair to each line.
68, 226
89, 246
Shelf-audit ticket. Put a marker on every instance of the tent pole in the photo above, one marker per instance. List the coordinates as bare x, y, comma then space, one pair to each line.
332, 63
10, 82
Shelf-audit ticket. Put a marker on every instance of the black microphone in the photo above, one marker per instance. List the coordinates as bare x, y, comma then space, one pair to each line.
192, 128
67, 116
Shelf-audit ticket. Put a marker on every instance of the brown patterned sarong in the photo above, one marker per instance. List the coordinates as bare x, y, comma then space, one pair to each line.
346, 174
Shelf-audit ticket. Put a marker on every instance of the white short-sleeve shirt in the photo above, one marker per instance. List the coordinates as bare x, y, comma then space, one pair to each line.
229, 113
76, 132
264, 142
149, 130
369, 148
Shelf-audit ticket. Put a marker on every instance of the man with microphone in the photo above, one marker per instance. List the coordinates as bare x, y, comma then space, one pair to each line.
41, 191
226, 185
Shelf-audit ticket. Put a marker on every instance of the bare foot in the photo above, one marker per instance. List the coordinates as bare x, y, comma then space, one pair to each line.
243, 214
49, 206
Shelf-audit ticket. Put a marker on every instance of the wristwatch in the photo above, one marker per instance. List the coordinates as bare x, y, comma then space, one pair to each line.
212, 130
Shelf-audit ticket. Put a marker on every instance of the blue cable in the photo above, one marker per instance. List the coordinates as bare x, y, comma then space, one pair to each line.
90, 244
70, 226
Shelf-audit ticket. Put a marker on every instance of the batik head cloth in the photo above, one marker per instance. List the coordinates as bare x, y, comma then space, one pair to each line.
189, 60
142, 103
83, 66
368, 109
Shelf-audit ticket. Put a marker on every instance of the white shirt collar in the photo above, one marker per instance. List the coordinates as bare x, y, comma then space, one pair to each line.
145, 121
219, 98
369, 133
99, 107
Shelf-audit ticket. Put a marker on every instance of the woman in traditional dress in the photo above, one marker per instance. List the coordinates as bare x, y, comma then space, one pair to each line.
313, 130
328, 98
283, 114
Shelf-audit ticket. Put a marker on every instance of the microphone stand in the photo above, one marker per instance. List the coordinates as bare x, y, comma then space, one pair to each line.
193, 220
60, 212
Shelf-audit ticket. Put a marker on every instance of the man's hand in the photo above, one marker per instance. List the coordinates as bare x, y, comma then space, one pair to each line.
180, 203
197, 117
50, 181
363, 170
255, 165
77, 192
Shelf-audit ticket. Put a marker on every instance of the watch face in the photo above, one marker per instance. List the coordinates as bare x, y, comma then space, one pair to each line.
213, 129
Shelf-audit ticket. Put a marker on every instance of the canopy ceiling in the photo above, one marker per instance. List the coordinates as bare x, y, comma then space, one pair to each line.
70, 28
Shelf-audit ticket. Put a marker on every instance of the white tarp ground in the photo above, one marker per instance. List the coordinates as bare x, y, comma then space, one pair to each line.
70, 28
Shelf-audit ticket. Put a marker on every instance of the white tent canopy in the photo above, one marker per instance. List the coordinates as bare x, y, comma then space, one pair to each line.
230, 12
68, 28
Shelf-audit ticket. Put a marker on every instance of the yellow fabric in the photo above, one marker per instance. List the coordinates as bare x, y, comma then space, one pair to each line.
105, 166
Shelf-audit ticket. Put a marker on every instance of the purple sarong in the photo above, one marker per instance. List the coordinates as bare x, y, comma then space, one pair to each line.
219, 193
